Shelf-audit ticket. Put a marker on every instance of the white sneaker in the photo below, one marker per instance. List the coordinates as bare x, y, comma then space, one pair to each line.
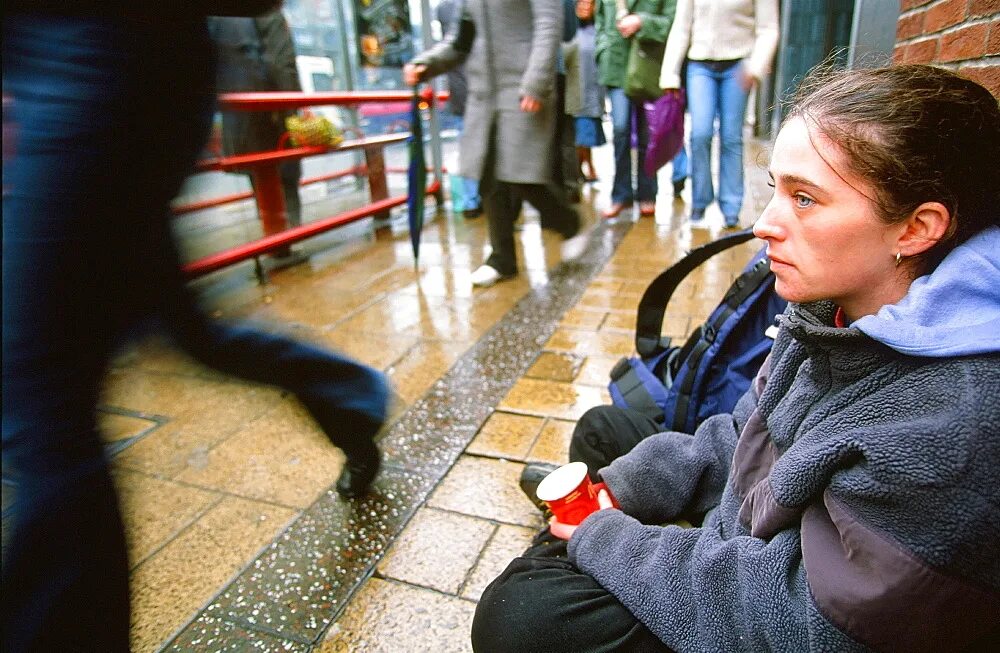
572, 248
485, 275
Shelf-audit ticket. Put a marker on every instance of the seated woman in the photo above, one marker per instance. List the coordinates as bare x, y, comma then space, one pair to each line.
851, 500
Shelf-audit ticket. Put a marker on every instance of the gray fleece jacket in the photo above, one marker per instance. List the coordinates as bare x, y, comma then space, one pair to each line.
852, 497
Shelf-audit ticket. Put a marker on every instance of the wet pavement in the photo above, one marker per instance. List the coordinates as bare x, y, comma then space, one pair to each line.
238, 541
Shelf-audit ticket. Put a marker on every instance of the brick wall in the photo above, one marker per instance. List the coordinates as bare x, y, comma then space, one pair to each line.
963, 35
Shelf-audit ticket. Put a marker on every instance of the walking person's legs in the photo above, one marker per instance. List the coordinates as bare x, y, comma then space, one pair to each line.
621, 122
501, 208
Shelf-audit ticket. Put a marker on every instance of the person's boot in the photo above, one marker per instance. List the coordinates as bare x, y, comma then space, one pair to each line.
358, 473
531, 476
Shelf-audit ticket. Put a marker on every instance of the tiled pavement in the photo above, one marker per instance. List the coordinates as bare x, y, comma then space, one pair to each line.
236, 538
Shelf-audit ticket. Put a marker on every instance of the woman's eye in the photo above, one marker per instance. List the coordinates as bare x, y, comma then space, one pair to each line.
803, 201
771, 183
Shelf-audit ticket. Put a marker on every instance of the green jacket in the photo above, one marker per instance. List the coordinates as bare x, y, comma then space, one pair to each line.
612, 48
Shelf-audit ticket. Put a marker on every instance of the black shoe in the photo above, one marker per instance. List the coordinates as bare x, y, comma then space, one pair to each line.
679, 187
531, 476
469, 214
357, 476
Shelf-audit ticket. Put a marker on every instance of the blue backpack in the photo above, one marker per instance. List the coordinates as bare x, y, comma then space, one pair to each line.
679, 387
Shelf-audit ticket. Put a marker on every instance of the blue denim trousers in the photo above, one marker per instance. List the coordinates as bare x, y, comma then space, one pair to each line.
716, 95
623, 112
108, 117
679, 165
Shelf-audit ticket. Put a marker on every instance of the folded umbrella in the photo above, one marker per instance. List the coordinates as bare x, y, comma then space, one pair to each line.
416, 177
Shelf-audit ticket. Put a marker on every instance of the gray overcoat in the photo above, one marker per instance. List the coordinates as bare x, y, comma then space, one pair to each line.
513, 53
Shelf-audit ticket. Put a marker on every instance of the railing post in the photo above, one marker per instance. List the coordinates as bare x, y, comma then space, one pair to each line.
378, 187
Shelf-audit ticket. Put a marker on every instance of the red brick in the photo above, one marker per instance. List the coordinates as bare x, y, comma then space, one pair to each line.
993, 42
944, 14
910, 25
899, 54
906, 5
964, 43
923, 51
979, 8
988, 76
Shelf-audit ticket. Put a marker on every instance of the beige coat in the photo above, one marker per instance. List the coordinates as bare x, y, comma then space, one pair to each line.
513, 53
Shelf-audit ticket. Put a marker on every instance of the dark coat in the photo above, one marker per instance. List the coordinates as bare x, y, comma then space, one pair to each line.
255, 54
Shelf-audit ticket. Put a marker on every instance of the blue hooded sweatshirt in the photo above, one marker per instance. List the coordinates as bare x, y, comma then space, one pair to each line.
953, 312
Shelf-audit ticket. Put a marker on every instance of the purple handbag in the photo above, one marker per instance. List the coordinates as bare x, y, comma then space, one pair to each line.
665, 117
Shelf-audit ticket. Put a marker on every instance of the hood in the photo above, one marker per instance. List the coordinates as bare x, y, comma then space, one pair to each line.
954, 311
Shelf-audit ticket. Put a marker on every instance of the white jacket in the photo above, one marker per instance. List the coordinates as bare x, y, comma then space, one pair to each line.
721, 30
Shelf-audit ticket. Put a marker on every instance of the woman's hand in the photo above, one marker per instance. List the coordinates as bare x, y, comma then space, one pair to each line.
747, 81
413, 73
530, 104
565, 531
629, 25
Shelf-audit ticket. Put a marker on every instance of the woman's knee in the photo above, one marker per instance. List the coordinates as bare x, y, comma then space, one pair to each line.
512, 613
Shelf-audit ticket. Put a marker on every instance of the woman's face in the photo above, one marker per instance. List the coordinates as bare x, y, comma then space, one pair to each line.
822, 235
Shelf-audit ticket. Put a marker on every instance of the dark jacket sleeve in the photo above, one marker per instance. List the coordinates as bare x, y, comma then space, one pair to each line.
452, 51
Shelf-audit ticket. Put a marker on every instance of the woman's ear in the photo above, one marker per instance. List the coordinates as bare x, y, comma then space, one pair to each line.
927, 225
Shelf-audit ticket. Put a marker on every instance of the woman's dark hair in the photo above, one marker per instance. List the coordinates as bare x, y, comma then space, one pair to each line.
915, 134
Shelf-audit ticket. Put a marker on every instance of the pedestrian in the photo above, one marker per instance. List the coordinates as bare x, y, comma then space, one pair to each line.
448, 14
729, 45
256, 53
110, 109
588, 93
648, 20
509, 50
849, 502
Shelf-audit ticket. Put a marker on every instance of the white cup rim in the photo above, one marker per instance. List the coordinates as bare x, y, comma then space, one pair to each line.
561, 481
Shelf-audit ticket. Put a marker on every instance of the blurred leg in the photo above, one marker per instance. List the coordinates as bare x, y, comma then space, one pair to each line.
501, 208
68, 222
702, 100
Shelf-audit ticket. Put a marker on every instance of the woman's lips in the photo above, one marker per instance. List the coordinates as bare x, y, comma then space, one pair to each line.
776, 260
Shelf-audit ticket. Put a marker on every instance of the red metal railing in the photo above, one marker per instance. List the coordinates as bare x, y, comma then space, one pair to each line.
263, 166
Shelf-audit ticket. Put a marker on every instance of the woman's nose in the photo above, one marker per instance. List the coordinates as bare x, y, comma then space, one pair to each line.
766, 227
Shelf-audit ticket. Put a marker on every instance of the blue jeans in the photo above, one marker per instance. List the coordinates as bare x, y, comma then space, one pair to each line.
679, 166
109, 117
470, 187
714, 95
622, 111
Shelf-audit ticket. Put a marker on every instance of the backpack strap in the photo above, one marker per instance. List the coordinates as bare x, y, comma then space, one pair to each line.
649, 316
703, 337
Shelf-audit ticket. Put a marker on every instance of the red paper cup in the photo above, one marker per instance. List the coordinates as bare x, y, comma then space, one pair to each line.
569, 493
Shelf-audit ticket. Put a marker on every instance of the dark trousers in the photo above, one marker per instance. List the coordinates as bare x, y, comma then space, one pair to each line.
502, 202
108, 118
291, 176
542, 602
566, 171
